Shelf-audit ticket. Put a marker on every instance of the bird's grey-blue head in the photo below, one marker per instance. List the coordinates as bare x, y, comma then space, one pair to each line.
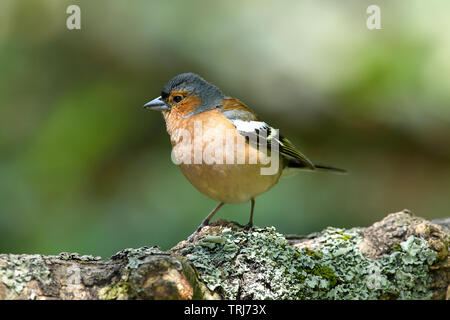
210, 96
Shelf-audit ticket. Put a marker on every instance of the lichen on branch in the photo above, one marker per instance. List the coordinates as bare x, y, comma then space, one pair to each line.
261, 264
399, 257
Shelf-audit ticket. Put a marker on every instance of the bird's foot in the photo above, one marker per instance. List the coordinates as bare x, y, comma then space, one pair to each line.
237, 224
192, 236
247, 226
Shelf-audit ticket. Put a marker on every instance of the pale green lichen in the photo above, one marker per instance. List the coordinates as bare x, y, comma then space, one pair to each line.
261, 264
20, 269
76, 256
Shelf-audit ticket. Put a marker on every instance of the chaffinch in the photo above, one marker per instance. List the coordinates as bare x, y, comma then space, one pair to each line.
202, 121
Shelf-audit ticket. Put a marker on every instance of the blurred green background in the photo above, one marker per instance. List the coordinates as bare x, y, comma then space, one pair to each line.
83, 168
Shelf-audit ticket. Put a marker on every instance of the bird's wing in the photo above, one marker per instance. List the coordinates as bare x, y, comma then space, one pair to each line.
249, 125
235, 109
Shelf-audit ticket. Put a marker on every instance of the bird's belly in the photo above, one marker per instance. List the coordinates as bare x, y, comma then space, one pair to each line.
229, 183
217, 172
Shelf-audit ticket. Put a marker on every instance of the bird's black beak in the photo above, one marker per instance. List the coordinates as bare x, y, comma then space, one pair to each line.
157, 104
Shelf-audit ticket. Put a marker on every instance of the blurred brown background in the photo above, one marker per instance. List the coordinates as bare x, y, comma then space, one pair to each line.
83, 168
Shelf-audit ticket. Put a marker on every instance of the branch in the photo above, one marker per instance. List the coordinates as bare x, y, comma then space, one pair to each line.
400, 257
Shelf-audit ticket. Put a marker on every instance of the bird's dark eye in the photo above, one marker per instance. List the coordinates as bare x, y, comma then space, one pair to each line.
177, 98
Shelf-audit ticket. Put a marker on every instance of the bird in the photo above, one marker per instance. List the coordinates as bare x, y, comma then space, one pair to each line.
199, 118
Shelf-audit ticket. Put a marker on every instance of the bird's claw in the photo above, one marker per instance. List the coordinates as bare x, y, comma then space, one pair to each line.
247, 226
200, 227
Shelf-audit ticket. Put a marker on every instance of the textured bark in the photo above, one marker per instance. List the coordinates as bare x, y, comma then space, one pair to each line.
180, 273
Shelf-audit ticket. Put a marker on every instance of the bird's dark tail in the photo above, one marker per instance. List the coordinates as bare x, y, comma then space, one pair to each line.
332, 169
292, 163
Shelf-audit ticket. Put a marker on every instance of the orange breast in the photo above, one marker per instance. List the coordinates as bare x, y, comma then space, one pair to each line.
207, 147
